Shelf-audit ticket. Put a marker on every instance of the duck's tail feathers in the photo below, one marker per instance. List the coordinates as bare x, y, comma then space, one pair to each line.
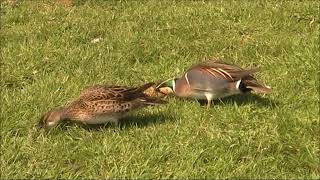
144, 87
152, 101
137, 92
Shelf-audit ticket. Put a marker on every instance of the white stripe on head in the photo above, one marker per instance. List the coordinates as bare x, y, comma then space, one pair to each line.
186, 76
238, 83
174, 85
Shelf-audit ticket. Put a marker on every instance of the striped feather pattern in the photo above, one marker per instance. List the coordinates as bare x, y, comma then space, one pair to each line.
220, 69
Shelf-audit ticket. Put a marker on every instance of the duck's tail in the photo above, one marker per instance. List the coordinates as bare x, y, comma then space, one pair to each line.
136, 92
141, 94
151, 101
144, 98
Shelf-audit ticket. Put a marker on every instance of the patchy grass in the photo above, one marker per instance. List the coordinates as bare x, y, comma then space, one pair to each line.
47, 58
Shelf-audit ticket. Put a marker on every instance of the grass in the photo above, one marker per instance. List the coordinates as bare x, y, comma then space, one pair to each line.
47, 58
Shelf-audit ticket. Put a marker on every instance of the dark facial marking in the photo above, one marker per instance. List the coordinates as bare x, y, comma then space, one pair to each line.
243, 88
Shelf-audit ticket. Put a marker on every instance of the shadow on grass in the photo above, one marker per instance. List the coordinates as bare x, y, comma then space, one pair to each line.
145, 120
243, 100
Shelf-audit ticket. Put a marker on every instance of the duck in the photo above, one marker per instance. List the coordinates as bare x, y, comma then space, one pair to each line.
213, 79
101, 104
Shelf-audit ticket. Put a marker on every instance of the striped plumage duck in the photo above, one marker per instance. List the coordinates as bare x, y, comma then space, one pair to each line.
213, 79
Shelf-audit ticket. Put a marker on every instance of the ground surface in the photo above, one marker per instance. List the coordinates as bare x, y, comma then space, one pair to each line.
49, 55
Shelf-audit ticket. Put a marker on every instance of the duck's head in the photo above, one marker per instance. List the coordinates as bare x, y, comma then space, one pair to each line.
51, 118
167, 87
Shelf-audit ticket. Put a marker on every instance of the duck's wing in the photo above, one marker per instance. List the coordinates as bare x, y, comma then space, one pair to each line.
124, 93
219, 69
233, 73
98, 92
82, 110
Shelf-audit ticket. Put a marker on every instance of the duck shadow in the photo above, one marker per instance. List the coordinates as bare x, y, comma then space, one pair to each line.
143, 120
244, 100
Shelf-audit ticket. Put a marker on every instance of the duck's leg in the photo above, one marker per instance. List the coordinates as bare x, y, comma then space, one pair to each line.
209, 99
209, 104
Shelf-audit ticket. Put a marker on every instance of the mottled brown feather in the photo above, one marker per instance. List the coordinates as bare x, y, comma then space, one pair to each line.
102, 101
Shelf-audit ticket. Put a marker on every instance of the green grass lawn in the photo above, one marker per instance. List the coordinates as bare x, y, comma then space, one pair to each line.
47, 58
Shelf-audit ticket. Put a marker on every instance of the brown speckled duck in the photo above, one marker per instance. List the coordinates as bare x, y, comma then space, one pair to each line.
101, 104
213, 79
